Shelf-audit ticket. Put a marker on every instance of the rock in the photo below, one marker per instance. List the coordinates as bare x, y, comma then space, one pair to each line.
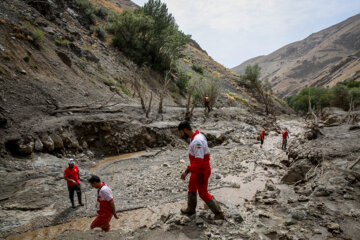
26, 147
303, 199
338, 180
105, 127
199, 221
50, 30
297, 171
165, 165
22, 71
65, 58
3, 121
48, 143
217, 176
355, 213
58, 142
348, 196
182, 161
322, 191
333, 228
39, 146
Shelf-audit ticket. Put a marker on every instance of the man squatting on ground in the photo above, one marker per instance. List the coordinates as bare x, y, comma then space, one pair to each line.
106, 204
72, 176
199, 155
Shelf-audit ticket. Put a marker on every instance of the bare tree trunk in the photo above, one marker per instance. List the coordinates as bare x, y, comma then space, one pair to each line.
188, 113
149, 107
160, 110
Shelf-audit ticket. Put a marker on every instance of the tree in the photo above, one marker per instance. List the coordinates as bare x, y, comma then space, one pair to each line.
252, 77
149, 35
340, 96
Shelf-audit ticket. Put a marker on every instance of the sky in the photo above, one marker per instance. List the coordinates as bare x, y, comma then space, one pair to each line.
233, 31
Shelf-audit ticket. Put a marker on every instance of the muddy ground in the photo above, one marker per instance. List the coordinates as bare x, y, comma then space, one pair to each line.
265, 193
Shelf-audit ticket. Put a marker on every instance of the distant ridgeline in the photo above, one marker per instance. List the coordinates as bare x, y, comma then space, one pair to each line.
342, 95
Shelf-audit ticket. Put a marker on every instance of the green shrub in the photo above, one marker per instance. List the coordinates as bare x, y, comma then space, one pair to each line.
101, 12
149, 35
182, 80
99, 32
87, 10
197, 68
37, 35
26, 58
62, 42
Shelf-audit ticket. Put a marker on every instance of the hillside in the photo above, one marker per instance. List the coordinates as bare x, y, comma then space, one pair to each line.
306, 62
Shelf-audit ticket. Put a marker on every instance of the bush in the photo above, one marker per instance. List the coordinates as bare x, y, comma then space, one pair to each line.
62, 42
99, 32
37, 35
198, 68
182, 80
101, 12
149, 35
26, 58
87, 10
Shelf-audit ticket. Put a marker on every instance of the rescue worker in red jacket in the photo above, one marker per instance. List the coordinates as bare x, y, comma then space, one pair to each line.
207, 103
262, 138
285, 136
72, 176
200, 170
106, 204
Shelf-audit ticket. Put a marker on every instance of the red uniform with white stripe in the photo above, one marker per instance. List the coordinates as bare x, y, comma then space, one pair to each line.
72, 173
199, 155
105, 211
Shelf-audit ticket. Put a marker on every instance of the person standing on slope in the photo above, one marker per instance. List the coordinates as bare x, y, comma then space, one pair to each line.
72, 176
207, 103
200, 170
285, 136
262, 138
106, 204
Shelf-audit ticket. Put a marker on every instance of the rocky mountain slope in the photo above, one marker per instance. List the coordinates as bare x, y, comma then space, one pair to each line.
72, 67
307, 62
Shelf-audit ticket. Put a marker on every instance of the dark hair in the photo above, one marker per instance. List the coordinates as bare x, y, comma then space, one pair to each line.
94, 179
184, 125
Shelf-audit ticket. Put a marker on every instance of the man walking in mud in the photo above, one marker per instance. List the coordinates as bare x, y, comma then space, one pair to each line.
262, 138
207, 103
106, 204
285, 136
200, 170
72, 176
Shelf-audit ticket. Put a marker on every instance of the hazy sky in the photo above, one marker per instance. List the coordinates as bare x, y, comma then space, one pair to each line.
232, 31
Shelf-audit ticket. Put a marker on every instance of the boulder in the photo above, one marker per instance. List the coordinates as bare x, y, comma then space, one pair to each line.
297, 172
58, 142
48, 143
39, 146
26, 147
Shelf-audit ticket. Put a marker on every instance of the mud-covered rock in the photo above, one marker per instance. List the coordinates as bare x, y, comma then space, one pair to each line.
297, 172
48, 143
39, 146
26, 146
58, 142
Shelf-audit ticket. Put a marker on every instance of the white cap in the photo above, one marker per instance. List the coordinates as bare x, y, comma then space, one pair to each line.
71, 161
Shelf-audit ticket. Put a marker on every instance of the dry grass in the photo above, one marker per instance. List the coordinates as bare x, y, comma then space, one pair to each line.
107, 4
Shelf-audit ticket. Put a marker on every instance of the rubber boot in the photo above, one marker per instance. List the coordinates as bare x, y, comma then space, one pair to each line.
72, 203
79, 199
215, 208
191, 205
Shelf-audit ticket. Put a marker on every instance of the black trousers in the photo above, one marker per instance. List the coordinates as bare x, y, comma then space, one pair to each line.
72, 189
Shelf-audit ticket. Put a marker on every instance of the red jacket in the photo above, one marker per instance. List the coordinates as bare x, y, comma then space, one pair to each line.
262, 136
285, 135
72, 174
